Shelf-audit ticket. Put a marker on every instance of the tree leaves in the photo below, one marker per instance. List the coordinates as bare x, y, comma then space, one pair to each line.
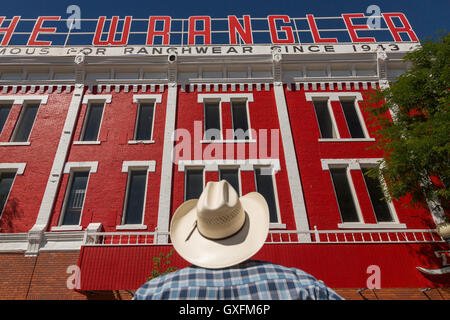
417, 143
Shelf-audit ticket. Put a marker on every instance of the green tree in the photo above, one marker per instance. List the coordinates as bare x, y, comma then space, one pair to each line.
416, 144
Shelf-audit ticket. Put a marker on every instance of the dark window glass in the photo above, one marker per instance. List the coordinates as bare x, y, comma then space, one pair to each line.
376, 194
344, 195
194, 183
144, 121
212, 121
352, 119
264, 185
232, 176
92, 124
26, 120
135, 197
324, 119
6, 180
4, 112
240, 121
75, 201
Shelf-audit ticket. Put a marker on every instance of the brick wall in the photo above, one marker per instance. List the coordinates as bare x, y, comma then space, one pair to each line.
45, 277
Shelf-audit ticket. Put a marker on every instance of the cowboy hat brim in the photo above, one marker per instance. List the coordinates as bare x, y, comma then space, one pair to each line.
221, 253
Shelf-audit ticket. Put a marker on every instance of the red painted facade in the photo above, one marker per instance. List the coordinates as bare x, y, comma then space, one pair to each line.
106, 266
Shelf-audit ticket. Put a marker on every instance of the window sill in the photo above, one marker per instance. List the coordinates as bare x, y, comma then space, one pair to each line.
141, 141
87, 142
228, 141
12, 144
385, 225
348, 140
131, 227
277, 226
67, 228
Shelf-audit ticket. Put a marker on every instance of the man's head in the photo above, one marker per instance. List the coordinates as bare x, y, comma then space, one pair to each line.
220, 229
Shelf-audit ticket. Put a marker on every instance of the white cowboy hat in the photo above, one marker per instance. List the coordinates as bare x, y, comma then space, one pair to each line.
220, 229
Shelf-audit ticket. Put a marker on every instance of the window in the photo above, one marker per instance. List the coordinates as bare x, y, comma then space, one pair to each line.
264, 185
240, 120
75, 194
25, 122
352, 119
92, 123
6, 180
144, 121
4, 113
232, 176
212, 121
324, 119
380, 206
193, 184
135, 198
344, 196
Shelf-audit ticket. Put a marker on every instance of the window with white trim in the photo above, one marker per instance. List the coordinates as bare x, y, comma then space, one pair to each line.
6, 182
25, 123
193, 184
343, 193
264, 183
144, 121
135, 197
329, 131
74, 199
353, 118
240, 118
231, 175
379, 204
347, 198
93, 119
323, 115
4, 113
212, 120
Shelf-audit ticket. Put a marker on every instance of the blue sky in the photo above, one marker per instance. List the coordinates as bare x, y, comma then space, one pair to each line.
426, 17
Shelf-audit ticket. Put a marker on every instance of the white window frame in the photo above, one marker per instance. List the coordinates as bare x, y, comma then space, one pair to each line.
145, 98
250, 138
233, 167
242, 165
210, 100
128, 167
338, 97
193, 167
278, 224
226, 97
333, 119
359, 114
357, 164
70, 168
89, 99
23, 101
18, 168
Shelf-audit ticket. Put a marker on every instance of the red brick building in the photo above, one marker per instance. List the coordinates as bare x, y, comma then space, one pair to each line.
96, 153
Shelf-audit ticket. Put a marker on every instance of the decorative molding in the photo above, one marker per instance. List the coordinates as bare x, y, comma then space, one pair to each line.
92, 165
225, 97
244, 165
333, 96
157, 98
97, 97
18, 166
353, 164
21, 99
150, 165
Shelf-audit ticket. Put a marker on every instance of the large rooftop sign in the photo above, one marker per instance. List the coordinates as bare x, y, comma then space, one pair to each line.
204, 30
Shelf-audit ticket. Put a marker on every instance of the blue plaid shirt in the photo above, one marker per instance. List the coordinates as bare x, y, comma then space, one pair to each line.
250, 280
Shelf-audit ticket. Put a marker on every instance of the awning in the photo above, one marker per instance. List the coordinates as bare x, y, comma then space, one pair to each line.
338, 265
